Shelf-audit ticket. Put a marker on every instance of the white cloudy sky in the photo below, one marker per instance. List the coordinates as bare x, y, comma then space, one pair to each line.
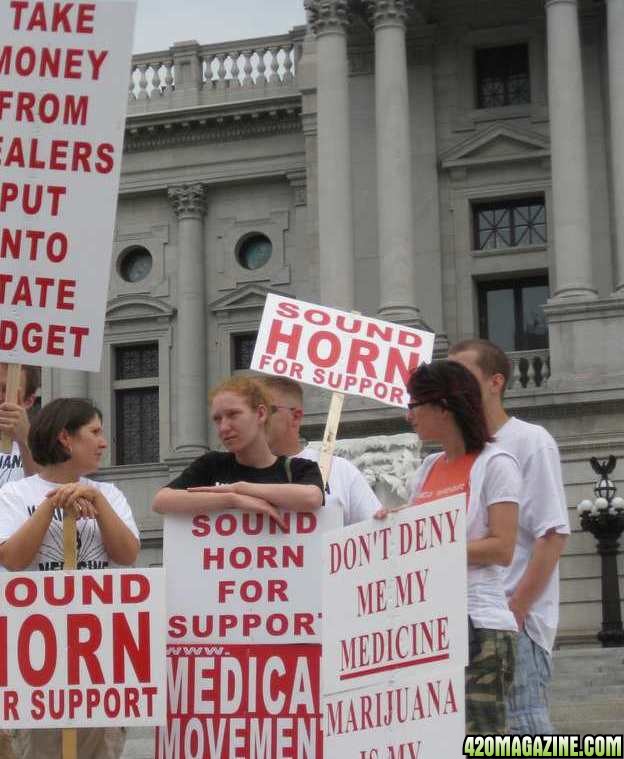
161, 22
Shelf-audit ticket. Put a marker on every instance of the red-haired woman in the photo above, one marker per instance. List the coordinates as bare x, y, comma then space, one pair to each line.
247, 475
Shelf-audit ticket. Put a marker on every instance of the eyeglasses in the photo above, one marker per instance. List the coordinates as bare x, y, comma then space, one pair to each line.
275, 409
414, 404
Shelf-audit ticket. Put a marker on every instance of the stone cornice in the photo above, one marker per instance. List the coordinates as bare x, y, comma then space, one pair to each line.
382, 12
188, 200
327, 15
201, 127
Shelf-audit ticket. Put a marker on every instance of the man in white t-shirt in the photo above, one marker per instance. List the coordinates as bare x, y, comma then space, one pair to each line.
14, 422
347, 486
532, 580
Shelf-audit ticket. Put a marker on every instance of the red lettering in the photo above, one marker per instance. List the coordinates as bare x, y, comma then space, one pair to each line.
37, 623
137, 649
79, 648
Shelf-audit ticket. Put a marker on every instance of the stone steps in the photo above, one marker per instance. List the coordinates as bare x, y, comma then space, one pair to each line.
587, 694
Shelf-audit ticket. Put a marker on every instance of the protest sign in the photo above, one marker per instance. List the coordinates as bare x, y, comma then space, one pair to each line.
243, 645
82, 648
339, 351
63, 69
395, 633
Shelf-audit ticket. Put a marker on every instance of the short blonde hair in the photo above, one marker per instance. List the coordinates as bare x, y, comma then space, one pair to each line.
283, 385
249, 388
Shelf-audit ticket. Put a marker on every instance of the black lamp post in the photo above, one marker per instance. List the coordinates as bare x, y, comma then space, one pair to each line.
604, 518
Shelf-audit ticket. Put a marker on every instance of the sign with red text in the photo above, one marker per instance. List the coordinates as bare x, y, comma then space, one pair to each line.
82, 648
63, 93
243, 640
339, 351
395, 640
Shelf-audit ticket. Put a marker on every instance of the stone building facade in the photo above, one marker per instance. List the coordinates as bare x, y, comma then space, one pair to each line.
454, 164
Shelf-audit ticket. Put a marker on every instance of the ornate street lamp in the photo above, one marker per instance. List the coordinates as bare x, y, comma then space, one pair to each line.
604, 518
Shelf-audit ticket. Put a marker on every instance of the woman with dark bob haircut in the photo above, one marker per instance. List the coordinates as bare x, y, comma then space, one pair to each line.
67, 441
445, 407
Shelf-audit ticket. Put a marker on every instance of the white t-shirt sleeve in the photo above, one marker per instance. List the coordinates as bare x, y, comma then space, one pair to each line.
120, 505
13, 514
502, 482
545, 497
362, 499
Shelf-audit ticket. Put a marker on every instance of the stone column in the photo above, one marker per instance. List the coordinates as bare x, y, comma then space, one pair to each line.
397, 278
191, 393
72, 383
615, 36
568, 145
328, 20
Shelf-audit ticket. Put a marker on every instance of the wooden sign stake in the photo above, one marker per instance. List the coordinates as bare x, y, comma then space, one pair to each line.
331, 432
70, 735
12, 394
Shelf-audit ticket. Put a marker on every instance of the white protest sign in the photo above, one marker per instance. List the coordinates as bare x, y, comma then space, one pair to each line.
395, 640
82, 648
409, 717
63, 94
339, 351
395, 594
243, 651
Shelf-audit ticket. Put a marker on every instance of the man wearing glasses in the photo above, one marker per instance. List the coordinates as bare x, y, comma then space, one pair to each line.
346, 483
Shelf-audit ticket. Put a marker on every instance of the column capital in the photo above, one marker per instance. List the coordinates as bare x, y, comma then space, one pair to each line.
327, 15
188, 200
394, 12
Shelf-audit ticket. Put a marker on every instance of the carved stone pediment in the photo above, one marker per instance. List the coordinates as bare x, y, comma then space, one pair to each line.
248, 297
133, 307
499, 143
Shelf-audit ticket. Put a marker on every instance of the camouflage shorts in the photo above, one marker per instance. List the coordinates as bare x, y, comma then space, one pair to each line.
488, 678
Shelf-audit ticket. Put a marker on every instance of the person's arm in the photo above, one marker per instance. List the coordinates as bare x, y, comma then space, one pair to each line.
120, 543
282, 495
201, 501
18, 551
546, 553
497, 547
15, 423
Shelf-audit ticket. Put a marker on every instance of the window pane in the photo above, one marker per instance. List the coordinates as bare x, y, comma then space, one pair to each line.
136, 361
137, 425
501, 323
243, 348
502, 76
534, 329
509, 223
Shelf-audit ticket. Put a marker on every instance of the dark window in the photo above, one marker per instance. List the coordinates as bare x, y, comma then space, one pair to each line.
254, 251
136, 404
509, 223
242, 350
511, 313
503, 76
135, 264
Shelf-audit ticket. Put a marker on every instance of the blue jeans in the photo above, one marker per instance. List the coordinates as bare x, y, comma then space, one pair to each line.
527, 701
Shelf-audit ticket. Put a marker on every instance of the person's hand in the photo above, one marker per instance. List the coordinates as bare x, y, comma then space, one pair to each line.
381, 513
76, 497
14, 422
259, 505
519, 611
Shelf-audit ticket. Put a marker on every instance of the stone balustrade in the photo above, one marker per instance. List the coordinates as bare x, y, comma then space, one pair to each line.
530, 370
250, 67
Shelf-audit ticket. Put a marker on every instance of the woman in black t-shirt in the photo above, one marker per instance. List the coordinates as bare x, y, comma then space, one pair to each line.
248, 476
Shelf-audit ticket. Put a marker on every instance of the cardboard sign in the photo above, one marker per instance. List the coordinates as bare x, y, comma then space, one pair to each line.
243, 641
82, 648
339, 351
395, 633
63, 94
